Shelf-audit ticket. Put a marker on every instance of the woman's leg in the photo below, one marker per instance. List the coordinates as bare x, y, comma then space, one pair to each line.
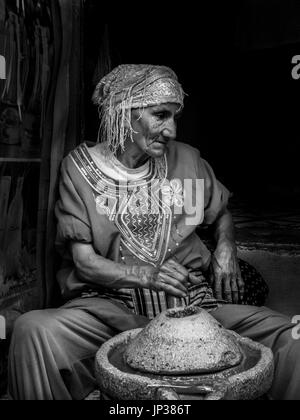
52, 352
275, 332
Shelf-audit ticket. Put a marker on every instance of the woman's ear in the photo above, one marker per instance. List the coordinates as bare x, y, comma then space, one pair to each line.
136, 115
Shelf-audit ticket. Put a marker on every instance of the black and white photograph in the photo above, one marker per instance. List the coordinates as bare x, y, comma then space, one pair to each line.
149, 204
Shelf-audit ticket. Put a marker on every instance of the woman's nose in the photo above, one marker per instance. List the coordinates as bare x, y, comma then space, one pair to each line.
170, 130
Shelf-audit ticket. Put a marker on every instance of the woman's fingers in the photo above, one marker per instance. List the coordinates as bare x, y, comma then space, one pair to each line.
218, 287
228, 282
174, 265
171, 285
179, 273
241, 287
235, 291
195, 280
223, 288
177, 266
227, 289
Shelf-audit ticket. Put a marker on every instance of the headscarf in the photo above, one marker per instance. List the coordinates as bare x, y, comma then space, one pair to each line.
130, 87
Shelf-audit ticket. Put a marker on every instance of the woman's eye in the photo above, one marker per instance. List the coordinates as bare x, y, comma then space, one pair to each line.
160, 115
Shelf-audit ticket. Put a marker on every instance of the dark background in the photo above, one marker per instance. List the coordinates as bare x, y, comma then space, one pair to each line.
235, 65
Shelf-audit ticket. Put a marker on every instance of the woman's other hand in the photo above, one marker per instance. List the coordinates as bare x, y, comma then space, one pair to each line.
226, 275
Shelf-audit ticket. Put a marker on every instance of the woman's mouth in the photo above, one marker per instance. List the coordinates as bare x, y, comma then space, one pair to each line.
160, 141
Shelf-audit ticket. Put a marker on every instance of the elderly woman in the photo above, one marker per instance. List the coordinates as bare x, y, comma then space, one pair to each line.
127, 217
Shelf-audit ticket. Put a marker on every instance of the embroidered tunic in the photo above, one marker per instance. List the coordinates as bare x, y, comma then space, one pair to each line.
136, 217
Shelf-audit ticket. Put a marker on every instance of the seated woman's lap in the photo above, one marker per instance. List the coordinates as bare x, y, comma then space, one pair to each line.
274, 331
80, 323
76, 331
256, 323
52, 351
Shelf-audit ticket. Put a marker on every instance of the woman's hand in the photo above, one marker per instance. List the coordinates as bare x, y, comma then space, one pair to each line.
171, 278
226, 275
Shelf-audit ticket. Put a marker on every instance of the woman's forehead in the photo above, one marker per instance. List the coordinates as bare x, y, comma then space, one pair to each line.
171, 107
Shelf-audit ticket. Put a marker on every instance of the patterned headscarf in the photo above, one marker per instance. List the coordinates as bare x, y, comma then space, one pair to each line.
132, 87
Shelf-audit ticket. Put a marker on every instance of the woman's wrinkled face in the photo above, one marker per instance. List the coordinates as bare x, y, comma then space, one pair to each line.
154, 127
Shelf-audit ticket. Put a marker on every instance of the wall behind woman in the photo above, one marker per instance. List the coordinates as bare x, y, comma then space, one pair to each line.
241, 111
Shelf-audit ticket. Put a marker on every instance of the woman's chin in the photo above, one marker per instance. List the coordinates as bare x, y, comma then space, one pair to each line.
157, 151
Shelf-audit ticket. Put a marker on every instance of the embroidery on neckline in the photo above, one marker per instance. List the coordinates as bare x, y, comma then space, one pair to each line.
95, 177
145, 234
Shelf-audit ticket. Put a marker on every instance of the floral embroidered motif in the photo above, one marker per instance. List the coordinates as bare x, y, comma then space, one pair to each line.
173, 194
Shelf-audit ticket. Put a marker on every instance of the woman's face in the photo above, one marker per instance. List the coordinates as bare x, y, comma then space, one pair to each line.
154, 128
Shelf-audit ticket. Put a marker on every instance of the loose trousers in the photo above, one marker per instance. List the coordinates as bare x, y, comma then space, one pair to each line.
52, 352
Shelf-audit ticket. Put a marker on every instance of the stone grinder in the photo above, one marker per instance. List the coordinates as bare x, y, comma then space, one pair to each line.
184, 354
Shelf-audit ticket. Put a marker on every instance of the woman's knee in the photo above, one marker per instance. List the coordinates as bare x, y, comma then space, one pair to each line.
33, 323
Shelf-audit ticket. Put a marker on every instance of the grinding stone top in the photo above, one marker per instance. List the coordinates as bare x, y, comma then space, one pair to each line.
183, 341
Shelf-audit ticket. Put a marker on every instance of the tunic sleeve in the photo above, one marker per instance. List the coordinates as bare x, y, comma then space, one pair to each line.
216, 195
72, 216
